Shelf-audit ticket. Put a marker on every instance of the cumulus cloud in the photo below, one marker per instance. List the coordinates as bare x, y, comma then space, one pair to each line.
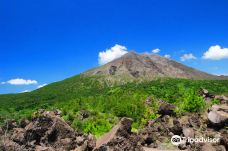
156, 50
221, 74
25, 91
42, 85
19, 81
189, 56
167, 56
216, 53
113, 53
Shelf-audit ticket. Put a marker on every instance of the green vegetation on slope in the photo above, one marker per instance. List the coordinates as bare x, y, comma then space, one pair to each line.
105, 104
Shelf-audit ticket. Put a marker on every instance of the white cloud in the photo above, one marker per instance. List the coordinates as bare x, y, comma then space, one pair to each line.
216, 53
167, 56
113, 53
42, 85
156, 50
25, 91
19, 81
187, 57
221, 74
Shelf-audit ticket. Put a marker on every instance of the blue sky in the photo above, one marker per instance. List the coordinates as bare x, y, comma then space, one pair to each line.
42, 41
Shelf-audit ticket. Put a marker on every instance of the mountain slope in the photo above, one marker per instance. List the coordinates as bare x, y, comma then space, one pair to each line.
133, 66
91, 91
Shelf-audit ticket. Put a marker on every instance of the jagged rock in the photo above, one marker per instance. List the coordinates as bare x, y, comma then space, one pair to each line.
194, 121
218, 116
189, 132
24, 123
224, 139
208, 97
131, 144
148, 136
9, 125
182, 146
135, 74
47, 132
57, 112
163, 128
125, 127
223, 99
103, 148
66, 143
205, 93
10, 145
208, 147
18, 135
112, 70
184, 120
80, 140
84, 114
121, 138
222, 107
177, 128
91, 141
166, 109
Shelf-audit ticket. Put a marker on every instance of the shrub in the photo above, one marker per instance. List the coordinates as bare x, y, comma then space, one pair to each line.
190, 101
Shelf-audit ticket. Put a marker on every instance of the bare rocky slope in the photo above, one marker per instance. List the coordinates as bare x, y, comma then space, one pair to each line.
133, 66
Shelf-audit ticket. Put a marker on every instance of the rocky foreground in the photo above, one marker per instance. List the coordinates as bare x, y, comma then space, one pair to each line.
48, 132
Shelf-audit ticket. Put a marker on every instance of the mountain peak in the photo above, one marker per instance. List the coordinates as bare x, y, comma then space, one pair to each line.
146, 66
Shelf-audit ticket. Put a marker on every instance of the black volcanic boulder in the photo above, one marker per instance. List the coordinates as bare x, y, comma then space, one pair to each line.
177, 128
149, 136
47, 132
24, 123
112, 70
166, 109
9, 125
125, 127
120, 138
84, 114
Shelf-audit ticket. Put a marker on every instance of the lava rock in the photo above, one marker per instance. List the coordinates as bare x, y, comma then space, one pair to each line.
166, 109
189, 132
218, 116
112, 70
208, 147
46, 132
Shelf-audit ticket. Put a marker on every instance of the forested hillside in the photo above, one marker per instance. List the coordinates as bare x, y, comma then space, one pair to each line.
94, 107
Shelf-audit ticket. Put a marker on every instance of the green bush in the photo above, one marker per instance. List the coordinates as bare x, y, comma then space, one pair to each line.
190, 101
